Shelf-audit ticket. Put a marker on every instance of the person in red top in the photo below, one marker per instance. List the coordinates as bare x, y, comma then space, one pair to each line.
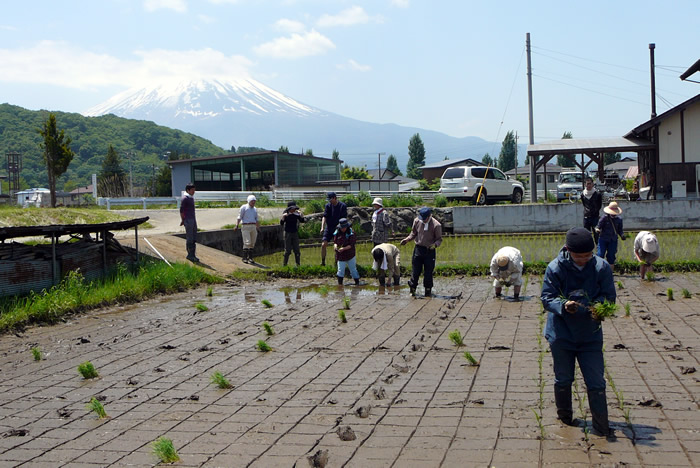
344, 239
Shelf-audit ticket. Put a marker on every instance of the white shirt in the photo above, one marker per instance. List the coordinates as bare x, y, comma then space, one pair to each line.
248, 214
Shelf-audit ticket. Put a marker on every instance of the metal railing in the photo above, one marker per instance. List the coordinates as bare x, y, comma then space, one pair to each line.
143, 201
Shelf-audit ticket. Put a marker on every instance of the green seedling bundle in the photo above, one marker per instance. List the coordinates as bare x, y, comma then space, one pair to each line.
218, 379
201, 307
165, 450
669, 294
603, 310
471, 359
456, 338
268, 329
263, 346
87, 370
96, 407
36, 352
341, 316
266, 303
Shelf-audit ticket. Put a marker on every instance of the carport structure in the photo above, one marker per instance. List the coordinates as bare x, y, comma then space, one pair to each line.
592, 148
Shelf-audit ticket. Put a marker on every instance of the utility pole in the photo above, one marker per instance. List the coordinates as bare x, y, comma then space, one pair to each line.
379, 164
516, 155
533, 175
129, 154
653, 80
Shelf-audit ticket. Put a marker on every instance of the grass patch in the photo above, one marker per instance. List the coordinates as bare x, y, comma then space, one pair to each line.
33, 216
267, 303
471, 359
165, 450
87, 370
342, 317
669, 294
685, 293
263, 346
210, 291
268, 329
73, 294
201, 307
36, 352
218, 379
456, 338
96, 407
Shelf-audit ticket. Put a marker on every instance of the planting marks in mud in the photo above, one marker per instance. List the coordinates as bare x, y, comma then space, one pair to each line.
386, 388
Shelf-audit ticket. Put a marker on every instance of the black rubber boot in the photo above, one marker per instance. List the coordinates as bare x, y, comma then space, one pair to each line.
340, 279
357, 281
412, 287
599, 413
428, 292
286, 259
297, 259
250, 256
245, 255
382, 281
396, 280
562, 398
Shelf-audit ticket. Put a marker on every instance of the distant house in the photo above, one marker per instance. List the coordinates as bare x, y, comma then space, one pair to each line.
622, 168
385, 175
77, 195
435, 170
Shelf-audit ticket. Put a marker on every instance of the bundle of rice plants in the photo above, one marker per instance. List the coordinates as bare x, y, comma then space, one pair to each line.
456, 338
97, 408
603, 310
36, 352
87, 370
165, 451
218, 379
263, 346
472, 361
268, 329
341, 316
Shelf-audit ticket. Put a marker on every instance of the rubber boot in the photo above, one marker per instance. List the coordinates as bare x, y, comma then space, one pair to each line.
323, 261
297, 259
382, 281
357, 281
250, 256
562, 398
340, 279
428, 292
412, 287
245, 256
599, 412
396, 280
498, 291
286, 259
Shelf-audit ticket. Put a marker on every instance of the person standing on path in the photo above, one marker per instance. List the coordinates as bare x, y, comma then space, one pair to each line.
188, 219
592, 201
335, 210
291, 218
381, 223
507, 269
387, 262
427, 232
248, 217
610, 228
344, 245
646, 249
573, 282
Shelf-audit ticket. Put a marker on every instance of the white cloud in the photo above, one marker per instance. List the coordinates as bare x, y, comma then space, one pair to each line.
206, 19
400, 3
354, 66
5, 27
290, 26
296, 46
179, 6
349, 17
59, 63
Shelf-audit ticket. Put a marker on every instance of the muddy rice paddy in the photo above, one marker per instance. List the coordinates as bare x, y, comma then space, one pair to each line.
387, 388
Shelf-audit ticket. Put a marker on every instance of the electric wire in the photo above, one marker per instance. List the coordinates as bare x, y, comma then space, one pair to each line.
589, 90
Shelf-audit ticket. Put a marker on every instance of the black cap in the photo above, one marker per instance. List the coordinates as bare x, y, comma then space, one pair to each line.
579, 240
292, 203
330, 195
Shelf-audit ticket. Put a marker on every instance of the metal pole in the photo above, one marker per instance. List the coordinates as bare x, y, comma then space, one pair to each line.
533, 177
653, 80
136, 242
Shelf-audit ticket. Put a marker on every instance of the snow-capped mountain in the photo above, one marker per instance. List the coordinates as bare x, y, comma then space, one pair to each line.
245, 112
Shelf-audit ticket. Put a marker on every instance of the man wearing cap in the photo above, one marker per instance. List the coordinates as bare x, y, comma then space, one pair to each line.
592, 201
248, 217
334, 212
387, 262
427, 232
381, 223
610, 228
573, 282
189, 221
646, 249
290, 219
507, 269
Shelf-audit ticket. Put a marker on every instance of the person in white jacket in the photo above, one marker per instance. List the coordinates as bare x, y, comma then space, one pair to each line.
507, 269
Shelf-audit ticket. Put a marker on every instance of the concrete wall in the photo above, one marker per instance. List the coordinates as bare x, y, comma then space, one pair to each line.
639, 215
270, 239
181, 176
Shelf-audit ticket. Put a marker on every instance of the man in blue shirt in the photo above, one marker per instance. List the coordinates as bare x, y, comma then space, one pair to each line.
334, 212
189, 221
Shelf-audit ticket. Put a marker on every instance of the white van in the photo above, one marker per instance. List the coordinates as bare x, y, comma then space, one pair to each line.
464, 182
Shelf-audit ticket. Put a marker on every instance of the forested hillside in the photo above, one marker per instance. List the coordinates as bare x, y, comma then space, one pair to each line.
91, 137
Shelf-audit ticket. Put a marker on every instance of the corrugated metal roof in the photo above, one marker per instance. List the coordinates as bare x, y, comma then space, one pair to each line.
589, 145
452, 162
65, 229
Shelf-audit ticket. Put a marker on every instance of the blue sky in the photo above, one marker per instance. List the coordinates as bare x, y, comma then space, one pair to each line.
453, 66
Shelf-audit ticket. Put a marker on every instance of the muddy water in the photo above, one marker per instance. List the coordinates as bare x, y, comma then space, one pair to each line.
675, 246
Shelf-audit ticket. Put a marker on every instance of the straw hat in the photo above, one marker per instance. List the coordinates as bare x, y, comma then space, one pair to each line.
613, 209
650, 244
378, 201
502, 261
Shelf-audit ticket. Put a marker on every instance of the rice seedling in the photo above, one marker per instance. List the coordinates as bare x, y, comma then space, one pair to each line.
620, 398
650, 276
96, 407
266, 303
36, 352
471, 359
620, 285
346, 303
581, 398
218, 379
323, 290
87, 370
669, 294
456, 338
603, 310
341, 316
263, 346
268, 329
685, 293
627, 309
165, 451
210, 291
201, 307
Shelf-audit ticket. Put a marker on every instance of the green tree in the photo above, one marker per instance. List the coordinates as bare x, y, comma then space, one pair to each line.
283, 149
336, 155
309, 152
57, 153
111, 181
416, 157
609, 158
506, 160
393, 165
566, 160
352, 172
487, 160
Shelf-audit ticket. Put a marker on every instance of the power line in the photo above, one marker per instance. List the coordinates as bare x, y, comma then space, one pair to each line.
589, 90
590, 60
515, 78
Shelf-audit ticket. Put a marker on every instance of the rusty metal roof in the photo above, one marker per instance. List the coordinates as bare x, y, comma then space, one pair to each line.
65, 229
589, 145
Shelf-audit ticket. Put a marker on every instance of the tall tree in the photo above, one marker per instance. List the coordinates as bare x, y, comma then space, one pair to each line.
565, 160
57, 153
336, 155
283, 149
506, 160
111, 182
487, 160
416, 157
393, 165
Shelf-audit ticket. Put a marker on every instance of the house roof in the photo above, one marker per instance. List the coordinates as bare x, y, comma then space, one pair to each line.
245, 155
452, 162
693, 68
551, 169
386, 174
621, 165
79, 190
659, 118
589, 145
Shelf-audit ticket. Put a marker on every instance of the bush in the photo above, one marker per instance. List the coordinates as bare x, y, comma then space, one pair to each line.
398, 200
364, 198
440, 201
350, 200
263, 200
309, 229
314, 206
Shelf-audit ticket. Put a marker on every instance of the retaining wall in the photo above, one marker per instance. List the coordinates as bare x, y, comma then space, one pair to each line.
270, 239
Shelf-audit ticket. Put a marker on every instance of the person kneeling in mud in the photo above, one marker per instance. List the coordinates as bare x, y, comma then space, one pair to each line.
387, 263
344, 240
507, 270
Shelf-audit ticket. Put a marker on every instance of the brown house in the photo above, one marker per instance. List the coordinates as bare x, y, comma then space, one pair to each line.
435, 170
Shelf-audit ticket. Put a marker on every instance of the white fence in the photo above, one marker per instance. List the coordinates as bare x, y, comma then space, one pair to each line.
143, 201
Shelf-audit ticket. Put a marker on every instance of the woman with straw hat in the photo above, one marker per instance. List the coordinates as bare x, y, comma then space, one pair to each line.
610, 228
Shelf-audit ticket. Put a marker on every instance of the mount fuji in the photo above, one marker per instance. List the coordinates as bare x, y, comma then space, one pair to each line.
245, 112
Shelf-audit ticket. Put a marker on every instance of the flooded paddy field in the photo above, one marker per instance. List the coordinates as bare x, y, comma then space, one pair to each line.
478, 249
387, 388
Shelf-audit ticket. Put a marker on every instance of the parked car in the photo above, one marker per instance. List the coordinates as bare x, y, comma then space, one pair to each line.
570, 184
465, 182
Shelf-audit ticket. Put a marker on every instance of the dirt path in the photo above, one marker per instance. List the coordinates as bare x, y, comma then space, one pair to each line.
426, 407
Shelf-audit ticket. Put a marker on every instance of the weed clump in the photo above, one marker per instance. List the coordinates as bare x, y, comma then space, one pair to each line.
263, 346
266, 303
87, 370
472, 361
165, 451
96, 407
685, 293
201, 307
456, 338
669, 294
268, 329
218, 379
342, 317
36, 352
